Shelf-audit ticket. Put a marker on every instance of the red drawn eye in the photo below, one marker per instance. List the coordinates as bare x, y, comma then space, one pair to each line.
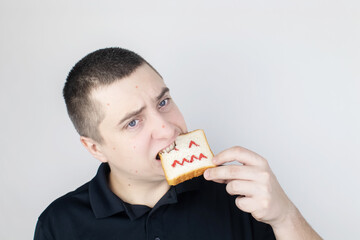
191, 143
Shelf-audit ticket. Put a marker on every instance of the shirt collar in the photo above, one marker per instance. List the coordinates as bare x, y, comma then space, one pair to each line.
105, 203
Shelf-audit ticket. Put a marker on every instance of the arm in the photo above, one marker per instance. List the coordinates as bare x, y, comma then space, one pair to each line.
41, 233
295, 227
259, 193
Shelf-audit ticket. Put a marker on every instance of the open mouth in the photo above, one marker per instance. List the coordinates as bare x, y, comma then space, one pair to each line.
166, 150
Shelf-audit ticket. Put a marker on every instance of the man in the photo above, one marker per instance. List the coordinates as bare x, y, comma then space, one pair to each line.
125, 116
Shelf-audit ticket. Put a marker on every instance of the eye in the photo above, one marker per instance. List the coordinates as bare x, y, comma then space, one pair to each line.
164, 102
133, 123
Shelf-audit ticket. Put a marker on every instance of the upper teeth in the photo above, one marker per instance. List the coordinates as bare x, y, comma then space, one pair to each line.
169, 148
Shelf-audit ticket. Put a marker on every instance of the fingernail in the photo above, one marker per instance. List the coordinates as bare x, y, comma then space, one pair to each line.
206, 174
214, 160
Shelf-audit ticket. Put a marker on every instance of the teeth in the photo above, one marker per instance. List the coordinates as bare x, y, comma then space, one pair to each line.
169, 148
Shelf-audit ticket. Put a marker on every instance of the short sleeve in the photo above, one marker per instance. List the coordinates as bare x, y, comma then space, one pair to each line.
41, 233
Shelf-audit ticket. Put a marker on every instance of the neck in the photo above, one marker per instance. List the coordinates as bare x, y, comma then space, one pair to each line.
138, 192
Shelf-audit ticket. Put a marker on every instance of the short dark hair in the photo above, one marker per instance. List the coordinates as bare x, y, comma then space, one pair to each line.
99, 68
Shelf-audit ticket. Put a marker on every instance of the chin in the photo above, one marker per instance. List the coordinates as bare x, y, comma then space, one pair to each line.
158, 168
162, 173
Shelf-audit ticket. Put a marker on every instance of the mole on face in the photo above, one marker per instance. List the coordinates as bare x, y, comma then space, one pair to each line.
114, 148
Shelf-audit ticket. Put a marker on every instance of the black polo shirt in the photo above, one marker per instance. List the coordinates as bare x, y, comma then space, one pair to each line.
195, 209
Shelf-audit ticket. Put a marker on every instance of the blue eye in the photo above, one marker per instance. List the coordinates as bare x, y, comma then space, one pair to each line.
133, 123
163, 102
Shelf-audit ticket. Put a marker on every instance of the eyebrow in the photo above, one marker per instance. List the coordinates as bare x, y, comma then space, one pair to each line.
131, 114
137, 112
163, 92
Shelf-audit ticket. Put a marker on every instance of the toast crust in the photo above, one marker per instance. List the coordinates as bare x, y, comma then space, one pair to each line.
187, 176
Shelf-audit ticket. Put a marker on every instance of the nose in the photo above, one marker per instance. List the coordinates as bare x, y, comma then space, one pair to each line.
162, 128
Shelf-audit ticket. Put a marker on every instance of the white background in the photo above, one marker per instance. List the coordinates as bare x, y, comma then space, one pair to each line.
279, 77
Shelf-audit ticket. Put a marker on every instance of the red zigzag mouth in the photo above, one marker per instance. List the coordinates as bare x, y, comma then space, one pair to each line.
189, 161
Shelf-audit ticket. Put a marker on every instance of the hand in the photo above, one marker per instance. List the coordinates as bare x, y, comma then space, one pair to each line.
259, 191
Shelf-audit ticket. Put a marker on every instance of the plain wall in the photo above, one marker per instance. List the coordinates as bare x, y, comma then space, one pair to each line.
281, 78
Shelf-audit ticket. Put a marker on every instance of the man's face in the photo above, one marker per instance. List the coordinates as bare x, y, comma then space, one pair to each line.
140, 120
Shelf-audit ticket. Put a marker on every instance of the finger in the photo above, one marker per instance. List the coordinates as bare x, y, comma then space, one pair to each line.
230, 172
238, 154
246, 204
242, 188
223, 181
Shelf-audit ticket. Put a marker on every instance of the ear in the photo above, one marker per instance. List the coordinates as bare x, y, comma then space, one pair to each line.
94, 148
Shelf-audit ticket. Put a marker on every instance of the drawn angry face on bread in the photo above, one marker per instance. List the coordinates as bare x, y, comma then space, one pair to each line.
189, 158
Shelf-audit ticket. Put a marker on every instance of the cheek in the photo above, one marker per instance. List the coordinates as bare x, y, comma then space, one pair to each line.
135, 148
178, 119
140, 145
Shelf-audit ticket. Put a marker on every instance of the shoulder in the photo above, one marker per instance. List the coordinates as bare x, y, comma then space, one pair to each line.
58, 217
66, 204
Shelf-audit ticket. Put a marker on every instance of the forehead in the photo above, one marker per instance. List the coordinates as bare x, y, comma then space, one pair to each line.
130, 93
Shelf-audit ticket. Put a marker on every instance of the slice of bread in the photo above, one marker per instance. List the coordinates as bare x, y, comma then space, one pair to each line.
190, 157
